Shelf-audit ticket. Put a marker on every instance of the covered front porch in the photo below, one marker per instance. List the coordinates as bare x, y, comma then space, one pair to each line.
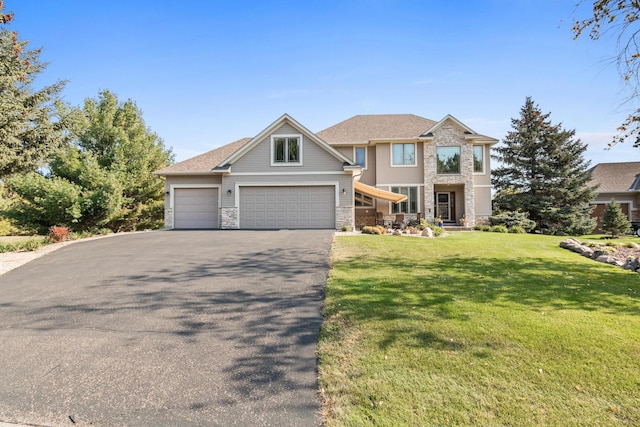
448, 202
366, 205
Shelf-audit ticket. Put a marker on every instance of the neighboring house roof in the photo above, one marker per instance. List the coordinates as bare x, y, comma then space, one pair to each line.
616, 177
204, 163
363, 128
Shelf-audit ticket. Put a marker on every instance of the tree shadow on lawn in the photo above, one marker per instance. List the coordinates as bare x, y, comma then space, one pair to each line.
529, 283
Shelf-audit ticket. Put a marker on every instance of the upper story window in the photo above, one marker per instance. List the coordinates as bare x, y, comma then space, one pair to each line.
360, 156
448, 160
403, 154
478, 158
286, 150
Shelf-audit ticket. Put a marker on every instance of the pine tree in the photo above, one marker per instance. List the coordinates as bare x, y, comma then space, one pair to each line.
31, 128
613, 220
543, 173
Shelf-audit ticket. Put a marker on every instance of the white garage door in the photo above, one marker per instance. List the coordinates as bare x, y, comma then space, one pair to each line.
287, 207
195, 208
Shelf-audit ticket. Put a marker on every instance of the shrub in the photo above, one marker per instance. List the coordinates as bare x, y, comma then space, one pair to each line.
345, 228
58, 233
373, 229
511, 219
25, 245
516, 229
499, 229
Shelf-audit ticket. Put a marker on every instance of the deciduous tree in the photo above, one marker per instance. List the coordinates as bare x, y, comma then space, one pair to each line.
621, 19
116, 135
542, 172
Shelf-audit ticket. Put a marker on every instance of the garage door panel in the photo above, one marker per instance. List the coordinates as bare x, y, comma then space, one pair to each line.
287, 207
195, 208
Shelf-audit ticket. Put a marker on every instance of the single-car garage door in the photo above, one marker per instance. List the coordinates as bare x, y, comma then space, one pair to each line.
195, 208
287, 207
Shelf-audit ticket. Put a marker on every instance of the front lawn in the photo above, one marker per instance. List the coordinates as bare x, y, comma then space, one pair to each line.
477, 329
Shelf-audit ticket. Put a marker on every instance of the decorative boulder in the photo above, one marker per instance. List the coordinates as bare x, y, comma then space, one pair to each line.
427, 232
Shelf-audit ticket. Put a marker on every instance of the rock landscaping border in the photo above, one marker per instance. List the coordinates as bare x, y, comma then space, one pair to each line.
627, 257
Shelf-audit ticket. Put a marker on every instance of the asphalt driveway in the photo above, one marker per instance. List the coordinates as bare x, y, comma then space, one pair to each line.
166, 328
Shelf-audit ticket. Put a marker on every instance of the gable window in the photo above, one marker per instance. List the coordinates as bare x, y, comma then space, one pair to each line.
478, 158
409, 206
448, 160
403, 154
363, 200
286, 149
360, 156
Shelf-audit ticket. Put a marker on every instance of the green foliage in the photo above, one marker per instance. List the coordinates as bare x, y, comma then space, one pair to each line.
614, 221
516, 229
499, 229
116, 136
512, 219
23, 245
544, 174
44, 201
104, 180
620, 18
32, 123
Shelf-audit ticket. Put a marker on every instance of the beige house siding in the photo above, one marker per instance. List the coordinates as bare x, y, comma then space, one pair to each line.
484, 178
369, 173
314, 158
387, 174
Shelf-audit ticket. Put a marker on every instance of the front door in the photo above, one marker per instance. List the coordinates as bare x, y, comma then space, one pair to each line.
445, 206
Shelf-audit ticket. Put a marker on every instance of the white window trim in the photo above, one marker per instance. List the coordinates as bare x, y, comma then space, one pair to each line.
415, 156
366, 156
272, 151
484, 160
419, 195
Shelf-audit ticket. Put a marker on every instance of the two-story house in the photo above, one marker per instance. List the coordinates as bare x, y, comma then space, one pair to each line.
290, 177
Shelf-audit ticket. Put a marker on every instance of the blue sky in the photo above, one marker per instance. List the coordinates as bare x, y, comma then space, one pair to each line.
206, 72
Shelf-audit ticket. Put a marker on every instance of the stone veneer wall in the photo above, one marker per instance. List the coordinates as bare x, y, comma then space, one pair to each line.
449, 135
229, 218
168, 218
344, 216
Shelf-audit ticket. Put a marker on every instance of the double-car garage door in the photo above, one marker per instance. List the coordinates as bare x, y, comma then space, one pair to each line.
287, 207
260, 207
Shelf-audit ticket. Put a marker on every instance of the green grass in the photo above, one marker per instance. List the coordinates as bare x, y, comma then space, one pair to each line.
477, 329
21, 243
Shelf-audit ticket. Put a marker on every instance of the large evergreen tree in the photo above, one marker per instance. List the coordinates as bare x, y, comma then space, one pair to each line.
542, 172
31, 128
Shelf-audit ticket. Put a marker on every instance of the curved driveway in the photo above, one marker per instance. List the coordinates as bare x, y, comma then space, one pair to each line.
166, 328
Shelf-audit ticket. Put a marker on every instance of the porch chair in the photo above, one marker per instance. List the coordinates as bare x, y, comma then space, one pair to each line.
399, 221
379, 218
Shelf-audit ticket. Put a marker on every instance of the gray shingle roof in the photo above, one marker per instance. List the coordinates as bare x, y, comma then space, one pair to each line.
362, 128
204, 162
616, 177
